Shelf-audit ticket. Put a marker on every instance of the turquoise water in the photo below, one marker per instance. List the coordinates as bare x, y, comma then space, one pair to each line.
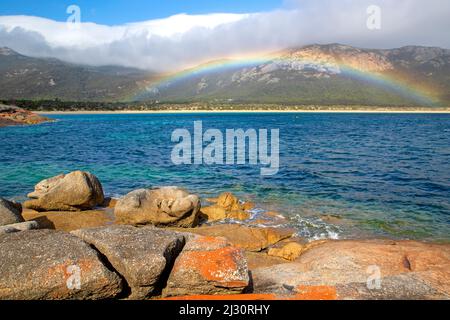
378, 175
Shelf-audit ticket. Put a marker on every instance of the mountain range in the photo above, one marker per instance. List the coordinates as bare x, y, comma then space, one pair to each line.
332, 74
23, 77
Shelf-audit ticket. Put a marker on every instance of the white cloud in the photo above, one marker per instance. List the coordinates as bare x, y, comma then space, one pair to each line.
91, 34
183, 40
181, 23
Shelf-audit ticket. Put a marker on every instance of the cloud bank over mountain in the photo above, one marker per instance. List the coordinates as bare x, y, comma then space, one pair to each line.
184, 40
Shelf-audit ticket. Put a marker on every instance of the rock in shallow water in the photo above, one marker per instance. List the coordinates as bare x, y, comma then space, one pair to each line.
10, 212
226, 206
228, 201
12, 115
167, 206
208, 266
75, 191
45, 264
140, 255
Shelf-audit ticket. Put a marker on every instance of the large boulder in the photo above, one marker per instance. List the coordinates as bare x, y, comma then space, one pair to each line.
140, 255
248, 238
167, 206
369, 269
47, 264
75, 191
210, 266
10, 212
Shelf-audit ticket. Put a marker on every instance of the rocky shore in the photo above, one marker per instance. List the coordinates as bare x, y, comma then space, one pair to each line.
13, 116
69, 241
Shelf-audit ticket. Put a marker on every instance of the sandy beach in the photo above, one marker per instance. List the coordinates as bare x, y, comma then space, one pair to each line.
440, 111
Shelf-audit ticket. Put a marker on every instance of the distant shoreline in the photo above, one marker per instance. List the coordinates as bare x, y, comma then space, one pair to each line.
423, 111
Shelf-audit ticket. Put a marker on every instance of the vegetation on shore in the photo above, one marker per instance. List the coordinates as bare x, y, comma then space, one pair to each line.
59, 105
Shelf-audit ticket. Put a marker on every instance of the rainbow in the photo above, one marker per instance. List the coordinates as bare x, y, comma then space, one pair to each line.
393, 83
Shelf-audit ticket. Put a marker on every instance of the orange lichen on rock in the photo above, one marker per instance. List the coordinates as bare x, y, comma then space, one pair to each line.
208, 265
315, 293
217, 265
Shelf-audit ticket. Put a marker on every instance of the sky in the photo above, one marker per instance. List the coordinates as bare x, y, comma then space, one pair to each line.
168, 35
114, 12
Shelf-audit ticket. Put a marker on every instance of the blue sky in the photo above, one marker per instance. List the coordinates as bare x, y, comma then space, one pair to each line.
112, 12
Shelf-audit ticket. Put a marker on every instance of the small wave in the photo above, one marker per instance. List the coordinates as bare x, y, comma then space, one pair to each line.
315, 229
325, 236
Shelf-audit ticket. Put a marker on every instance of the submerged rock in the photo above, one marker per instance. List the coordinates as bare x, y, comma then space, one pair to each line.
268, 219
404, 269
248, 238
17, 227
75, 191
167, 206
140, 255
210, 266
246, 206
10, 212
46, 264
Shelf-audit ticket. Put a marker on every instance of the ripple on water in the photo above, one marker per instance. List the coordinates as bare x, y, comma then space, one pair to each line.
383, 175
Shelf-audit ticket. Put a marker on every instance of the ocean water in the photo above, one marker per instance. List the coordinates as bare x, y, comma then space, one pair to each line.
375, 175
